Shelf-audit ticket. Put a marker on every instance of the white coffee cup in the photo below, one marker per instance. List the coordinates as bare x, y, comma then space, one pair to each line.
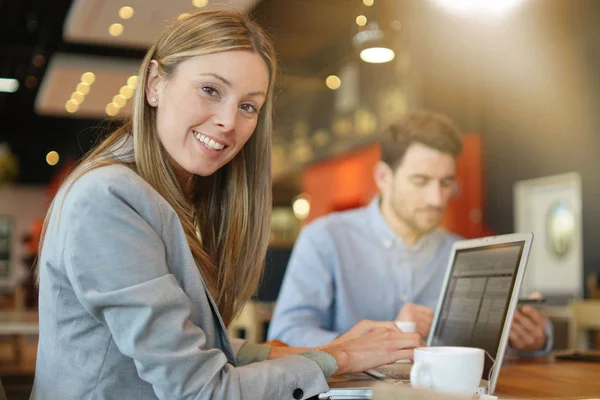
406, 326
453, 370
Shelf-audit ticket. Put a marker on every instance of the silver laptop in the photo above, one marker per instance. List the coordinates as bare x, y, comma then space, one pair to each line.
476, 305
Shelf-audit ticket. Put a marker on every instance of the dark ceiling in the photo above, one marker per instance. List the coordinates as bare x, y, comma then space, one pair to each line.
30, 33
310, 37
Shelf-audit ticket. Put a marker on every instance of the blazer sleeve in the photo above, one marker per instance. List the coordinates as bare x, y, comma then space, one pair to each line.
116, 262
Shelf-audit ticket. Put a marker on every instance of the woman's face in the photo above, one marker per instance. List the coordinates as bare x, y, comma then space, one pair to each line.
208, 109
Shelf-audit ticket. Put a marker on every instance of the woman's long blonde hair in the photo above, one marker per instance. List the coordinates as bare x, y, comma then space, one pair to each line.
226, 221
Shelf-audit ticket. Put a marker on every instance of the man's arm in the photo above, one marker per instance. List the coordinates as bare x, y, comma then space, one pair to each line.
304, 313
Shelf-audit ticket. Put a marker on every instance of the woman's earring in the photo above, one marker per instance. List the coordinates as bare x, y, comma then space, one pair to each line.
154, 99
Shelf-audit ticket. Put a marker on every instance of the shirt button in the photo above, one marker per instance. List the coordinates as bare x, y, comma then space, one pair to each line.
298, 393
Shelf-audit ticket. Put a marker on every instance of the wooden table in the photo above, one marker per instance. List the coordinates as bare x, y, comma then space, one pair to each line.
540, 378
15, 325
547, 378
19, 323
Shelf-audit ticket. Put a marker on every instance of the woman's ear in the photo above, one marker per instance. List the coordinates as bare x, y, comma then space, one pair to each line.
383, 175
153, 84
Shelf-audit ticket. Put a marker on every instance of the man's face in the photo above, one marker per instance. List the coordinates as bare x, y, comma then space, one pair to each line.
417, 192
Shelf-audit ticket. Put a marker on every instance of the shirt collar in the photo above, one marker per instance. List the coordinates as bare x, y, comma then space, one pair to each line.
386, 235
383, 232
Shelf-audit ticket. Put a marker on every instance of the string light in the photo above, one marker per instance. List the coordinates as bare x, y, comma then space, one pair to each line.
333, 82
200, 3
361, 20
115, 29
126, 12
81, 90
52, 158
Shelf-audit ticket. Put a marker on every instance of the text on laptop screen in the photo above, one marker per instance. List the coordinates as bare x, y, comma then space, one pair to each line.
475, 305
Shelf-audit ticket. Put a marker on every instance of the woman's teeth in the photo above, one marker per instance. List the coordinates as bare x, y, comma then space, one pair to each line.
208, 142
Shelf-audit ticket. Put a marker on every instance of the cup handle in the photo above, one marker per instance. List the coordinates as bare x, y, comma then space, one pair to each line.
419, 376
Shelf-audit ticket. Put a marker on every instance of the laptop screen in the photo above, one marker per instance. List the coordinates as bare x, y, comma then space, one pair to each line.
476, 302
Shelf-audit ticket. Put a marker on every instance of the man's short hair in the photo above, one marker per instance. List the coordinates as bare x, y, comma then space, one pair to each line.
430, 129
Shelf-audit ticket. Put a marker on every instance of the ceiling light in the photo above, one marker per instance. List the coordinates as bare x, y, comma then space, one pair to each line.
333, 82
88, 77
200, 3
39, 61
52, 158
132, 81
368, 3
71, 106
81, 90
396, 25
30, 82
372, 45
8, 85
112, 109
78, 97
377, 55
361, 20
119, 101
83, 87
478, 6
115, 29
301, 207
126, 12
126, 92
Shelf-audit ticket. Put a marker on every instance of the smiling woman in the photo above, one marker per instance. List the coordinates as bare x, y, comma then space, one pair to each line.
222, 102
156, 241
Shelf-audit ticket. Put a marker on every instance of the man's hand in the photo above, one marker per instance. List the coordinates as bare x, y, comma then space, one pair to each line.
422, 316
527, 330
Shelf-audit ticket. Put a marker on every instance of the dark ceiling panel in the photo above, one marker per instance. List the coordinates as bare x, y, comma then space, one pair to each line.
310, 37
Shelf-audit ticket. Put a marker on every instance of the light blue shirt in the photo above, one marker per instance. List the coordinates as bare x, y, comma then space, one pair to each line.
350, 266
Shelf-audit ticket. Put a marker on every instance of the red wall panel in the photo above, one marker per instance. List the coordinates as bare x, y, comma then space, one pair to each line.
347, 182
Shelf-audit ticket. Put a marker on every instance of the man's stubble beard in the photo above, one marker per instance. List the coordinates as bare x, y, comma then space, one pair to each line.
411, 222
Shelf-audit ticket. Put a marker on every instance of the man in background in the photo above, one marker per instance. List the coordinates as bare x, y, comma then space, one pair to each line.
386, 261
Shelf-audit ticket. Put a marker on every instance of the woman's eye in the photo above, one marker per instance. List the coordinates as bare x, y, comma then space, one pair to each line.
249, 108
211, 91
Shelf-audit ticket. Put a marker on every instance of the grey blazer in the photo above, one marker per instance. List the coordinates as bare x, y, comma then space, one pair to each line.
124, 312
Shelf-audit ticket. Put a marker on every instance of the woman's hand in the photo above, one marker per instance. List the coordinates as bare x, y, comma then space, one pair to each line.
366, 326
370, 344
